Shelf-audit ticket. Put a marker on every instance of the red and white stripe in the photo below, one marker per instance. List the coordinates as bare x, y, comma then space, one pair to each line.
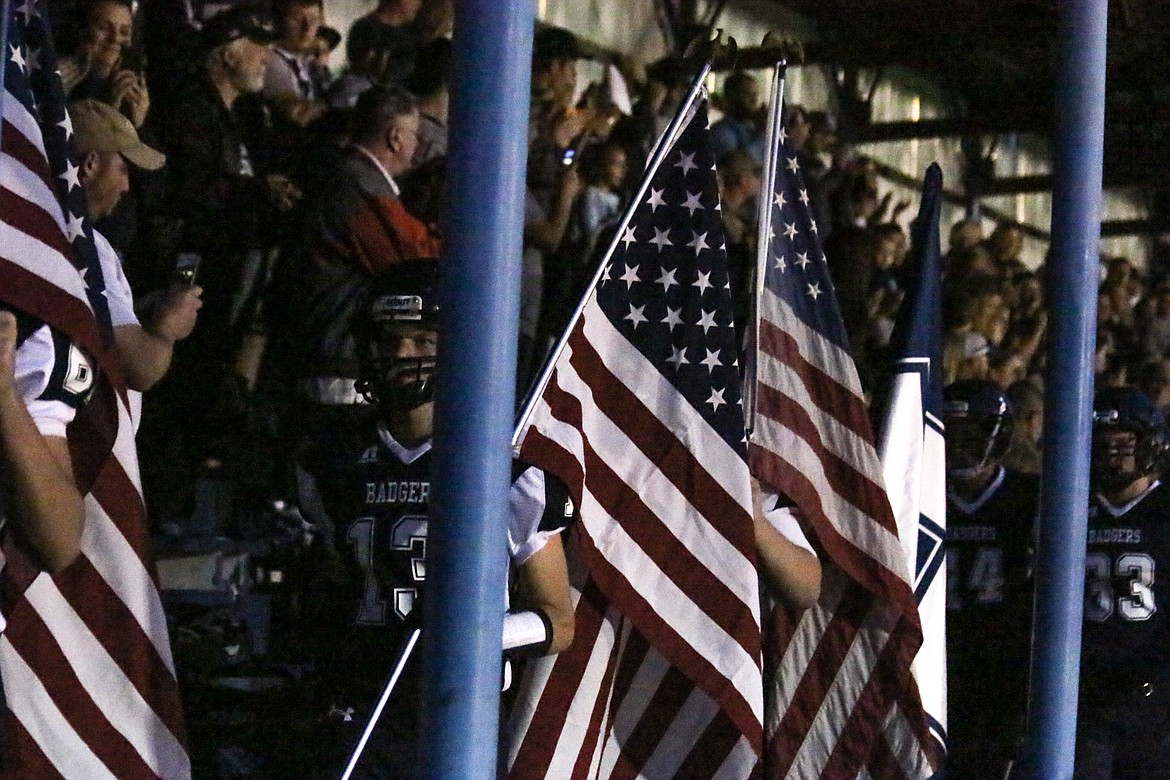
664, 673
841, 701
85, 658
35, 255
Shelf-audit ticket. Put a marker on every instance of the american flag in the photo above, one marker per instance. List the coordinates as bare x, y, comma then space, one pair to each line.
643, 421
913, 451
85, 659
840, 698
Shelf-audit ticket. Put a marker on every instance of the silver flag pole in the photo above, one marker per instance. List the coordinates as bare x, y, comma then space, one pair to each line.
774, 135
664, 145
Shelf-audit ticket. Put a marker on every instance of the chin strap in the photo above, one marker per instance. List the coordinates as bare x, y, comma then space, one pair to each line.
527, 634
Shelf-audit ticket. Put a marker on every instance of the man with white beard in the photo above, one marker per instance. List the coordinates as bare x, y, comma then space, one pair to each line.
226, 208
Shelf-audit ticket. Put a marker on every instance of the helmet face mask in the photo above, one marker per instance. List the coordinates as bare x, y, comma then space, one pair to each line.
397, 366
973, 443
1115, 458
396, 337
978, 418
1129, 439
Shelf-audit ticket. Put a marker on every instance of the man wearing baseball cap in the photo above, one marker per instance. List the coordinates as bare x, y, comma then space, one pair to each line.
108, 145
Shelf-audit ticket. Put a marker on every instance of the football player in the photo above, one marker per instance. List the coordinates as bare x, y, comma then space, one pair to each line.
991, 512
375, 502
1123, 728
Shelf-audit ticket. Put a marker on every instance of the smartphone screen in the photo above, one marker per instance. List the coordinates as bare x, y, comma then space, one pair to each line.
186, 268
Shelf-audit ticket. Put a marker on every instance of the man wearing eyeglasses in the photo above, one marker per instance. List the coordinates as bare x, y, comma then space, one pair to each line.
356, 228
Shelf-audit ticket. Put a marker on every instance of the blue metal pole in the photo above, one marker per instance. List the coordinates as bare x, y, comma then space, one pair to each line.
475, 402
1072, 286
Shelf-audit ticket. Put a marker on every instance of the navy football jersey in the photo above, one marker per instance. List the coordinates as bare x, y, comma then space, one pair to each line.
1125, 633
988, 582
377, 501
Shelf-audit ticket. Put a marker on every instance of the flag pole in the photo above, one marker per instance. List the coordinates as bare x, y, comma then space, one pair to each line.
1068, 388
665, 142
773, 133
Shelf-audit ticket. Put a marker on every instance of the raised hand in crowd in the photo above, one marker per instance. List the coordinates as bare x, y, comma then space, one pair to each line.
172, 313
131, 96
282, 192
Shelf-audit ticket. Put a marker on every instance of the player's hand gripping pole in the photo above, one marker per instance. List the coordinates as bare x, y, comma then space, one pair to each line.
403, 657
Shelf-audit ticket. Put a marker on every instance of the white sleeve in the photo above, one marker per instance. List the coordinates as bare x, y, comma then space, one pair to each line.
54, 379
786, 520
532, 521
279, 78
118, 294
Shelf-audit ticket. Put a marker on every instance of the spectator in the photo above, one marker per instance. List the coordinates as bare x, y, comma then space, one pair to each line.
1155, 323
320, 70
1153, 379
965, 356
543, 233
104, 66
1005, 245
570, 267
1123, 285
885, 288
667, 82
965, 266
554, 124
430, 84
107, 66
354, 230
289, 86
857, 202
385, 42
991, 316
1115, 326
965, 234
850, 252
739, 189
819, 133
108, 144
1025, 453
740, 127
1005, 368
228, 205
1029, 318
604, 168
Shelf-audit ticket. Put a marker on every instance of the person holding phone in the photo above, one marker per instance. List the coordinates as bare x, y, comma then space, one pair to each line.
108, 145
105, 66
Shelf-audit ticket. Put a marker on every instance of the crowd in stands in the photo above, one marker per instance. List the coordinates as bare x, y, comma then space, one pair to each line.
292, 186
293, 192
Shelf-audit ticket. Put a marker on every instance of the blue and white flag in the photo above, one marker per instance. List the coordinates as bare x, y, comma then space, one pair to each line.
912, 450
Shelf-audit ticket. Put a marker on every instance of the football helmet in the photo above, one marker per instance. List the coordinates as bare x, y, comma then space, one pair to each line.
1129, 438
396, 336
979, 421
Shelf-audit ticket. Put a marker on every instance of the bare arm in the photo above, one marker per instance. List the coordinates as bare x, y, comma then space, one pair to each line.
145, 352
48, 512
547, 235
792, 573
544, 585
